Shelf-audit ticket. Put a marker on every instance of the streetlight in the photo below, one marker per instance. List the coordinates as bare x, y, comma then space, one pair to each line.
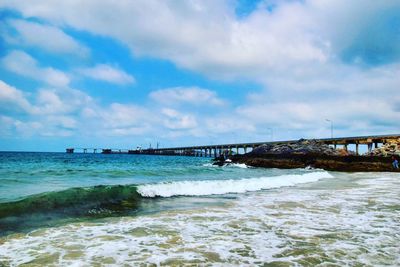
331, 127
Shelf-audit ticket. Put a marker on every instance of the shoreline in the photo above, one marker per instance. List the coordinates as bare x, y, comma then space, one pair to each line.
350, 163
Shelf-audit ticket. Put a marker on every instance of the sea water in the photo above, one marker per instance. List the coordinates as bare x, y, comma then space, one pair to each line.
115, 210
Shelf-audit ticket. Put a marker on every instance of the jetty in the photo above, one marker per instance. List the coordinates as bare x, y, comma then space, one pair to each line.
216, 150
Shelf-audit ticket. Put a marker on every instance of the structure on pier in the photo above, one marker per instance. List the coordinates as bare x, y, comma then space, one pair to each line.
238, 148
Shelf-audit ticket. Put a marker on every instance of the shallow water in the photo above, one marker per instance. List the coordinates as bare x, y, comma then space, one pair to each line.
258, 216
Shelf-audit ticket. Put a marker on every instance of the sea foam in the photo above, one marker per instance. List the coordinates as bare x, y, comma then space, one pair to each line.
350, 221
218, 187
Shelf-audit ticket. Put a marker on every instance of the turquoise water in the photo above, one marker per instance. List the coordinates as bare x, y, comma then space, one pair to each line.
45, 189
94, 209
24, 174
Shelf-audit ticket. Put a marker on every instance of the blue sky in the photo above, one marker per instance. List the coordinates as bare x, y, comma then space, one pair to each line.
101, 73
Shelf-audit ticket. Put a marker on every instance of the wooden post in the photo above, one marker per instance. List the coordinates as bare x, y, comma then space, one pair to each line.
357, 149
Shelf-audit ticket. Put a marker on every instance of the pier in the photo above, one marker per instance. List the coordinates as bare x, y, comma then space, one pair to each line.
216, 150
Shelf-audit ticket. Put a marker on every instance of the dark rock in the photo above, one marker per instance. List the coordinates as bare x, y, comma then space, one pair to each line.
326, 162
302, 147
312, 153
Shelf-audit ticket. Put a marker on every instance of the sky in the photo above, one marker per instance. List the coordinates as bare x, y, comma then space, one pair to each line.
122, 74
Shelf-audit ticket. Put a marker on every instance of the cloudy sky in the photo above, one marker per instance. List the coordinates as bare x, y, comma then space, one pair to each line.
104, 73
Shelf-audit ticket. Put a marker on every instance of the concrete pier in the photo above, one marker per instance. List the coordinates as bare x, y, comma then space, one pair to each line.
219, 149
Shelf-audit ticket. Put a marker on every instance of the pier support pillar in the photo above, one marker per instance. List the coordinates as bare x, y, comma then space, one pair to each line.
84, 150
345, 147
245, 149
237, 150
230, 151
334, 146
376, 144
370, 147
357, 153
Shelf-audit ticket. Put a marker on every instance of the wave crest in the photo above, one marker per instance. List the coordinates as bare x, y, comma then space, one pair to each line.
82, 199
219, 187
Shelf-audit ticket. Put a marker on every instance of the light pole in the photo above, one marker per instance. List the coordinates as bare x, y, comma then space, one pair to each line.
331, 126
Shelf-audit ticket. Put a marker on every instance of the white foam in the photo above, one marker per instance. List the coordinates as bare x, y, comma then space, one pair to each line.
239, 165
343, 225
218, 187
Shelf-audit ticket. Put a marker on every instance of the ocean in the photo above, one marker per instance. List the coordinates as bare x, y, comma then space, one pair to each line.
60, 209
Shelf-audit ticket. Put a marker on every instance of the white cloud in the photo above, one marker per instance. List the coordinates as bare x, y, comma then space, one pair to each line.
200, 35
222, 124
27, 129
7, 124
299, 52
207, 37
66, 122
60, 101
10, 95
190, 95
120, 115
47, 37
177, 121
46, 114
358, 101
108, 73
23, 64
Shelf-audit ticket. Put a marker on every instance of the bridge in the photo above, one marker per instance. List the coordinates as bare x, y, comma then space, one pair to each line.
242, 148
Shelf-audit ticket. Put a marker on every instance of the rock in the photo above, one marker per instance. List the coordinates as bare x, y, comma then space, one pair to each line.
315, 154
300, 147
391, 148
327, 162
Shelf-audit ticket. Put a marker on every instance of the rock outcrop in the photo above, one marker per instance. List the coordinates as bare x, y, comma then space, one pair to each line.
301, 147
329, 163
314, 154
392, 148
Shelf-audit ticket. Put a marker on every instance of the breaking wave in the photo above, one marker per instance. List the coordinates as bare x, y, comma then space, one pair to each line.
218, 187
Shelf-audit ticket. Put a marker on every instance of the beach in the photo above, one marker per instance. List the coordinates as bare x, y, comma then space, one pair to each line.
191, 212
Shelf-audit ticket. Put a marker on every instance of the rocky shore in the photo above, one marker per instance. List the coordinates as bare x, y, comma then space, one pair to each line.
314, 154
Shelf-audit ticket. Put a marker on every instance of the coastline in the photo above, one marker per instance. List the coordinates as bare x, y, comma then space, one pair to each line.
349, 163
311, 153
